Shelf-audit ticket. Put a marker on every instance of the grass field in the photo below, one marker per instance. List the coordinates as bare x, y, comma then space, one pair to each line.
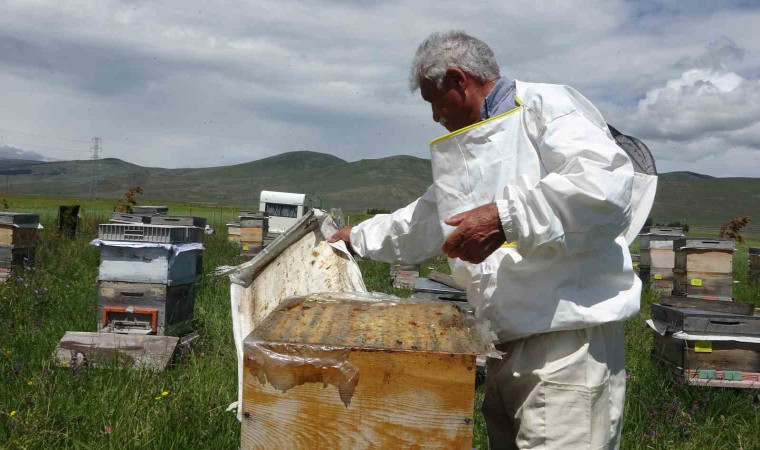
42, 406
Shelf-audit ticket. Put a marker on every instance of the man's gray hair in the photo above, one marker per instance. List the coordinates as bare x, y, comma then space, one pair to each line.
452, 49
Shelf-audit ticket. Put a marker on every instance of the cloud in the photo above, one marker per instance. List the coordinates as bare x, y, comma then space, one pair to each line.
185, 83
10, 152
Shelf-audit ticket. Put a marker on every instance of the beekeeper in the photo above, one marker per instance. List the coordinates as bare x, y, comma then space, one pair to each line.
535, 206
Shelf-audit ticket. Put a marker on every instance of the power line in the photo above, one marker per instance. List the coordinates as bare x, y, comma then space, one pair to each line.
95, 166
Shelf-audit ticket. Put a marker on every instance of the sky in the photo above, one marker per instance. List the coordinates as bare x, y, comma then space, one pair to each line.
182, 83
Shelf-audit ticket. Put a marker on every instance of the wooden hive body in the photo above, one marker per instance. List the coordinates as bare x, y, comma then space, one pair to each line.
173, 306
704, 268
154, 265
18, 236
657, 258
253, 230
713, 348
331, 371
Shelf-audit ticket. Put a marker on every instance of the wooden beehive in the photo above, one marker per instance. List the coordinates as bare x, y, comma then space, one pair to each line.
753, 273
143, 308
18, 236
253, 230
704, 268
332, 371
710, 347
657, 258
233, 232
157, 265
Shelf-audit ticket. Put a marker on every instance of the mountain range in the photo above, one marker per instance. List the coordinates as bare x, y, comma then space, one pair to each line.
333, 182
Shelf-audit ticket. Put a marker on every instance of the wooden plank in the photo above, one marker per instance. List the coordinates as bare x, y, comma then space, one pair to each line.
443, 278
124, 350
387, 375
745, 309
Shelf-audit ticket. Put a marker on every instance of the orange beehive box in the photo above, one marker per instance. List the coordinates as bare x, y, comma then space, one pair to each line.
336, 371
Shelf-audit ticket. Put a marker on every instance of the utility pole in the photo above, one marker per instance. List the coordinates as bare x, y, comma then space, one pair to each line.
95, 168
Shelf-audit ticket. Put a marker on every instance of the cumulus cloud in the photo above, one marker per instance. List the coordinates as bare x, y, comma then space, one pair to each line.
194, 83
10, 152
702, 115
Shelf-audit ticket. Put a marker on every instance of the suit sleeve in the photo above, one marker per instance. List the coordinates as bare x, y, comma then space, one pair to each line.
584, 198
409, 235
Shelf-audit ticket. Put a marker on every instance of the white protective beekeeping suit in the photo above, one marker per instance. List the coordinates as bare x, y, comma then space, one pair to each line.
570, 203
567, 196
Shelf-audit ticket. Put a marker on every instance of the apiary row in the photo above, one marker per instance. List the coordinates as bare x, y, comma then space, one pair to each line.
19, 233
147, 274
250, 231
695, 267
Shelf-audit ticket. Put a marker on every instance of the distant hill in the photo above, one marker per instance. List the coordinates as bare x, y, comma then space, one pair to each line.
370, 183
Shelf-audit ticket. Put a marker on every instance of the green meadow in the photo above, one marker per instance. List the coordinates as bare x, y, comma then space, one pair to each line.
44, 406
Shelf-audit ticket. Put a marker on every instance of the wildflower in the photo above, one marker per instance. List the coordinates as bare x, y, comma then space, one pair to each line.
165, 393
29, 382
108, 429
158, 398
13, 413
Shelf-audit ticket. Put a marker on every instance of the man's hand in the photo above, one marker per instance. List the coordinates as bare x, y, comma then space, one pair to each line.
478, 233
343, 235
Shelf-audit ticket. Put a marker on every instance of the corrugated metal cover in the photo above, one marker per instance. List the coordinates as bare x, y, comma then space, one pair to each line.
283, 198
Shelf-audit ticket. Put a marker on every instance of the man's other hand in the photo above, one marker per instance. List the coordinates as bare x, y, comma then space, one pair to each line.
343, 235
478, 233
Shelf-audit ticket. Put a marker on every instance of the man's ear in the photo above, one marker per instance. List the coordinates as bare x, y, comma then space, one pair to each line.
456, 78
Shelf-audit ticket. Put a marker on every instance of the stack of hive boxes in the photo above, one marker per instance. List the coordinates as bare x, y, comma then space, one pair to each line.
704, 268
657, 257
254, 227
147, 275
712, 343
18, 237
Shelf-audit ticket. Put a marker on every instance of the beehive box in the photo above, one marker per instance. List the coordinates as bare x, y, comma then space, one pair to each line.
754, 266
144, 308
233, 231
253, 230
119, 217
11, 255
712, 348
332, 371
704, 268
156, 265
19, 219
404, 275
185, 221
657, 259
150, 210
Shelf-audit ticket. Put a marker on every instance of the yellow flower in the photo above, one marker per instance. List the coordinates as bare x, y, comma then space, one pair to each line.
65, 363
29, 382
13, 413
165, 393
158, 398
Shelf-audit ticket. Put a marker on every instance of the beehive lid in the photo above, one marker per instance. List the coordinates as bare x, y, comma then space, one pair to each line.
15, 218
705, 244
347, 320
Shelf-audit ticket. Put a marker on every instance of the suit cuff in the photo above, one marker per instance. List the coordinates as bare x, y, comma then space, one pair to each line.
506, 216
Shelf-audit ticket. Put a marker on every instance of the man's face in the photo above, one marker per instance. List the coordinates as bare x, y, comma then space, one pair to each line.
449, 104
